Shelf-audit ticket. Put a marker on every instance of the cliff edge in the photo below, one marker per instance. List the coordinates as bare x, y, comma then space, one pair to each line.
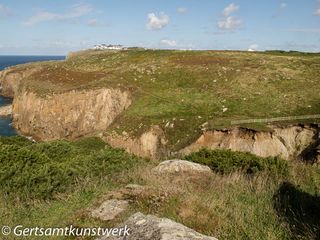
158, 103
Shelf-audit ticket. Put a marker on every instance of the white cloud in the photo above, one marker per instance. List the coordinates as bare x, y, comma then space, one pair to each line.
182, 10
229, 23
231, 8
171, 43
76, 11
283, 5
253, 47
4, 11
157, 22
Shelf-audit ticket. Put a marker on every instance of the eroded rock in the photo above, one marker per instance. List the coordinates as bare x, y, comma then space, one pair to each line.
149, 227
110, 209
181, 166
68, 115
287, 142
150, 144
6, 110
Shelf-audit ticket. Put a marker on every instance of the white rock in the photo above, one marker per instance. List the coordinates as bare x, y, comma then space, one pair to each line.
149, 227
180, 166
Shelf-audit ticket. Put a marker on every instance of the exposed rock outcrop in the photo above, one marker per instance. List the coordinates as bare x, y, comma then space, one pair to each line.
181, 166
149, 227
286, 142
6, 110
11, 78
150, 144
68, 115
110, 209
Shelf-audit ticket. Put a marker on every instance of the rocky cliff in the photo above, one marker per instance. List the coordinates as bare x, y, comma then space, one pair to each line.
73, 114
11, 78
286, 142
49, 105
68, 115
150, 144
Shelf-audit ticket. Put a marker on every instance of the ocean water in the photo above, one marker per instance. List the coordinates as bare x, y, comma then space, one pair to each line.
6, 128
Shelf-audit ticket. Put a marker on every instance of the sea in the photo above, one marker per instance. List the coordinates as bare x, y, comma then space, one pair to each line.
6, 128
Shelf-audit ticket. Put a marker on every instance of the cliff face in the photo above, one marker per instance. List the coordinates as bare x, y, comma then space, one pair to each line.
150, 144
11, 77
286, 142
69, 115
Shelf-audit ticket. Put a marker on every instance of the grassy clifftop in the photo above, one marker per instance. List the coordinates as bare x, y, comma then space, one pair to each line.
181, 90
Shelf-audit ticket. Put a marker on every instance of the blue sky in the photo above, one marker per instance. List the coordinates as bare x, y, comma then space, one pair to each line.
42, 27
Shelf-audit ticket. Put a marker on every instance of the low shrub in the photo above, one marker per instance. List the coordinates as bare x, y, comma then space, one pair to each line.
16, 140
227, 161
40, 170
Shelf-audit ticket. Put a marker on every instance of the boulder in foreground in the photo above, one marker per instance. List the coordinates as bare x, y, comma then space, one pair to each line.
180, 166
149, 227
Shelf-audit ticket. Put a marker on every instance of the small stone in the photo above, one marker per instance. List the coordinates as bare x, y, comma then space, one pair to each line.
205, 124
141, 222
124, 133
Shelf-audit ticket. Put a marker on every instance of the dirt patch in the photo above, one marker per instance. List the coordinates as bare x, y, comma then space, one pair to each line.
67, 76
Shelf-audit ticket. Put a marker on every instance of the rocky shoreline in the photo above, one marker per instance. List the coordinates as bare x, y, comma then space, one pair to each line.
6, 111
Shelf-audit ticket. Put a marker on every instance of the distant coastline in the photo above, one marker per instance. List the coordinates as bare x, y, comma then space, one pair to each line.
6, 128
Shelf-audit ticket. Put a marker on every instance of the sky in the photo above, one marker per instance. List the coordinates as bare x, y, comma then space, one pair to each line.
42, 27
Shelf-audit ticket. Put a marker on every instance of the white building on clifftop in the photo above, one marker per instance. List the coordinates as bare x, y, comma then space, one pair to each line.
108, 47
